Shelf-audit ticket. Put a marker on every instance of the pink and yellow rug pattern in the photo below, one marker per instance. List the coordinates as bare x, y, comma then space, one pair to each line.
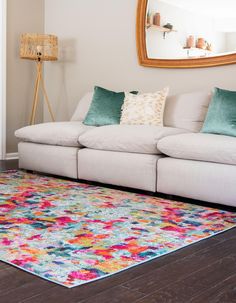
72, 233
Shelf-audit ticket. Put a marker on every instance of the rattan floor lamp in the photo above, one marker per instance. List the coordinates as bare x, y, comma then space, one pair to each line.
39, 47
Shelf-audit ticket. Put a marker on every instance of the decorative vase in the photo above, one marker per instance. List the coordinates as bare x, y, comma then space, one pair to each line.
157, 19
201, 43
190, 41
209, 47
149, 17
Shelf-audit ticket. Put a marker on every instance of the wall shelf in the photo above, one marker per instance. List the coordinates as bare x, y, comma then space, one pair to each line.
160, 28
196, 48
196, 52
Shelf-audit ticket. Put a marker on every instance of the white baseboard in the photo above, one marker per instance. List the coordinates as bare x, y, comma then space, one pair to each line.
12, 156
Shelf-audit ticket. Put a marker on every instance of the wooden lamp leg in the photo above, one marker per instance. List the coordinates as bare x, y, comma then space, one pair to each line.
36, 89
39, 79
47, 100
39, 68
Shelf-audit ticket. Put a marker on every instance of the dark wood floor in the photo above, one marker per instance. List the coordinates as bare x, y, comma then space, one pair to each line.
200, 273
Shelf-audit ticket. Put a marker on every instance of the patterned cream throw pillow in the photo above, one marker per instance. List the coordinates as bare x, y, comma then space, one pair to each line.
144, 109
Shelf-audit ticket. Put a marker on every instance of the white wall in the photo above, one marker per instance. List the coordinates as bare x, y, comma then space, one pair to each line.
231, 42
24, 16
98, 48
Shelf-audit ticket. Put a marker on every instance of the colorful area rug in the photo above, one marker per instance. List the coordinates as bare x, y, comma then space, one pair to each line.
71, 233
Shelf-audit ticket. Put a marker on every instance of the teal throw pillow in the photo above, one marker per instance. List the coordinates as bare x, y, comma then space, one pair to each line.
105, 108
221, 115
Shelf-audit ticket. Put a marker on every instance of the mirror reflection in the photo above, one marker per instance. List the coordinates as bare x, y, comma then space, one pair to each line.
187, 29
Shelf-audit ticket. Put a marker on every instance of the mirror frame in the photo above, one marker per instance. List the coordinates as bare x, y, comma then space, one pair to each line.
170, 63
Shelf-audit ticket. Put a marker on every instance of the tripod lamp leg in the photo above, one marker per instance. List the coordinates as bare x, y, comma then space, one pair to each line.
37, 92
36, 88
47, 100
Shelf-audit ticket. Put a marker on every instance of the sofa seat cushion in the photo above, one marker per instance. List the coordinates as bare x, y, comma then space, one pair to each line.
53, 133
127, 138
200, 147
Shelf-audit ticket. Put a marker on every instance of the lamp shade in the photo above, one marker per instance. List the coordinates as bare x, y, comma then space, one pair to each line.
39, 46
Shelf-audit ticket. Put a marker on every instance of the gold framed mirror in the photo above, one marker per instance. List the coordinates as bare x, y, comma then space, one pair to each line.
170, 34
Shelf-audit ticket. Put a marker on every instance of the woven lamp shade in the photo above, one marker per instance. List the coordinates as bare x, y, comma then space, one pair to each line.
39, 46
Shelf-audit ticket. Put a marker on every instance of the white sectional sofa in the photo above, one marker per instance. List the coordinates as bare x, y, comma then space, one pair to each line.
175, 159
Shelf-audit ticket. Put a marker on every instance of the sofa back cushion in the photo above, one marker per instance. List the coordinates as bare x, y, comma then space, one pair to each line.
82, 107
187, 111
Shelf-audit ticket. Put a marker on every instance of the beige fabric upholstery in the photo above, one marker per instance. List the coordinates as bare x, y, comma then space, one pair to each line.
127, 138
187, 111
144, 109
204, 181
56, 160
124, 169
202, 147
53, 133
82, 107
